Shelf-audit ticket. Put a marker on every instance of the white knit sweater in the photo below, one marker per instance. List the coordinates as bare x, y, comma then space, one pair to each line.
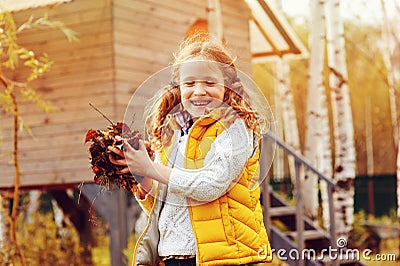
223, 163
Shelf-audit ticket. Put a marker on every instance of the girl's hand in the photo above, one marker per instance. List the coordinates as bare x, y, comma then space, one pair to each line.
135, 161
138, 162
144, 185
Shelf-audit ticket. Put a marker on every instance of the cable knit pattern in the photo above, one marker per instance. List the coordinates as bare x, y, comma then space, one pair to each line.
222, 165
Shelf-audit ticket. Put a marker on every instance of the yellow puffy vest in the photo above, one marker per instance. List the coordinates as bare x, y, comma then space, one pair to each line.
230, 229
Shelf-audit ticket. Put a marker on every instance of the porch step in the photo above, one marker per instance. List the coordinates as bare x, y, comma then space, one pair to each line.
308, 235
282, 211
342, 261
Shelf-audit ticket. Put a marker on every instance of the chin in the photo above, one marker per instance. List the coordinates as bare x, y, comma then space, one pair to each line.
196, 114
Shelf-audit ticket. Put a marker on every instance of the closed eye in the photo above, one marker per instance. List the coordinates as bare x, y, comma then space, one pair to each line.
190, 83
210, 83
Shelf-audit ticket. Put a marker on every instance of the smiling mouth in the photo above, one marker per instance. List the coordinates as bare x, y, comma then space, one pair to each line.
200, 103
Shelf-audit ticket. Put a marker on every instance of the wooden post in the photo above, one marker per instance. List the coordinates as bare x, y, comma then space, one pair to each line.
266, 154
103, 202
371, 199
299, 212
215, 20
118, 227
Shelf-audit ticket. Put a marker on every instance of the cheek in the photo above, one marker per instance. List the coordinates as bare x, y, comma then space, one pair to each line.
220, 94
185, 94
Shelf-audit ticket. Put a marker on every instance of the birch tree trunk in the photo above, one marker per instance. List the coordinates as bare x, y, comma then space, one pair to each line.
278, 164
59, 219
369, 147
33, 205
3, 232
317, 142
4, 220
288, 113
387, 56
345, 167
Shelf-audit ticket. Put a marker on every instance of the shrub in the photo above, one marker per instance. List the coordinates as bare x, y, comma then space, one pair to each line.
43, 243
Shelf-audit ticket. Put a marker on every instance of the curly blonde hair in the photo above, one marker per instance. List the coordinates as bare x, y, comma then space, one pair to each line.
169, 97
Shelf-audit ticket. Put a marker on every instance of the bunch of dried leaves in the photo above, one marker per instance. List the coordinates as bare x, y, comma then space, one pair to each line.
106, 173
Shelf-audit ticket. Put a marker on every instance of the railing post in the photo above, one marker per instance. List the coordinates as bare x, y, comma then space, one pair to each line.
265, 155
331, 186
299, 211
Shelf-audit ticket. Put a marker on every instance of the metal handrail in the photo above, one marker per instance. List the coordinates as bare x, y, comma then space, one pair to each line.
298, 160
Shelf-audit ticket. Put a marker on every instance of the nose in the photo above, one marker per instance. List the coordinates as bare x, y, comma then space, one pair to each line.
199, 89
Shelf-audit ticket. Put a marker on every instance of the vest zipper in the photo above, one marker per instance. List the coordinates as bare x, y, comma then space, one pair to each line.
151, 210
145, 230
189, 201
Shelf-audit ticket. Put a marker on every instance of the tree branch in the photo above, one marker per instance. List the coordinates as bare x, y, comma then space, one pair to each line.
14, 213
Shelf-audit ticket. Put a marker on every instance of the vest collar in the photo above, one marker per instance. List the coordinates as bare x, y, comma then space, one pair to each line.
182, 120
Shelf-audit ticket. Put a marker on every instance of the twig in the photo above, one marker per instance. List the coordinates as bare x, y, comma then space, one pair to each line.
14, 212
111, 122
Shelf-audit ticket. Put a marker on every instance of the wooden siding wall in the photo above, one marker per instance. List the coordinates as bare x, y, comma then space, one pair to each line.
122, 43
235, 18
82, 73
147, 32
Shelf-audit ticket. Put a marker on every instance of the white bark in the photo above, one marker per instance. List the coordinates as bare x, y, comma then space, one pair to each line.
369, 147
2, 224
317, 142
288, 112
33, 205
345, 166
387, 55
278, 164
59, 219
4, 219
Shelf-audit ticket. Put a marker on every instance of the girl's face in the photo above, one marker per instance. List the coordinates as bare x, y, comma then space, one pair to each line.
201, 86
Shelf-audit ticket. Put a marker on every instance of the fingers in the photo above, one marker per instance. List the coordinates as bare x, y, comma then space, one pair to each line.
121, 162
124, 171
116, 151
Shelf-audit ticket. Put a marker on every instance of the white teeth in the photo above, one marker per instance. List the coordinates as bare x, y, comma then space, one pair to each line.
200, 103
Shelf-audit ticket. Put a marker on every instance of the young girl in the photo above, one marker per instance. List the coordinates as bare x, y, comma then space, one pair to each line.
200, 193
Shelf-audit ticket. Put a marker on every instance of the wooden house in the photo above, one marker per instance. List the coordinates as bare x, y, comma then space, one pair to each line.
121, 43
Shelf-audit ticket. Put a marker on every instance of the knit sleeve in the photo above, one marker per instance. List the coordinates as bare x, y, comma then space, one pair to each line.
223, 164
147, 202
